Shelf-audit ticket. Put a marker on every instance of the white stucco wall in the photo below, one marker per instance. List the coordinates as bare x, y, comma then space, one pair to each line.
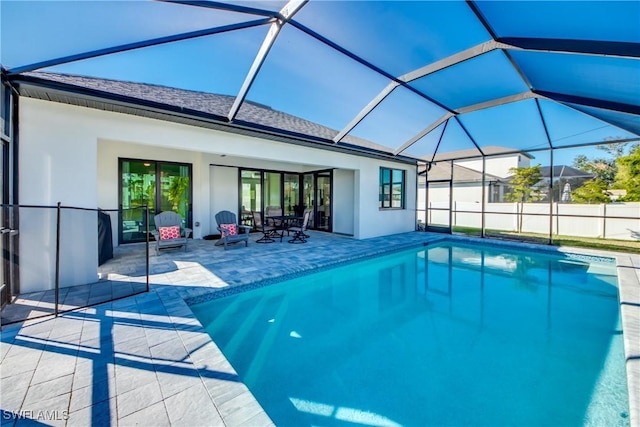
498, 165
70, 154
57, 163
466, 192
343, 201
224, 193
374, 221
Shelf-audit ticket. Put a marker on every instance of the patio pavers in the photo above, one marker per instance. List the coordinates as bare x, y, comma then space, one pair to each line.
145, 359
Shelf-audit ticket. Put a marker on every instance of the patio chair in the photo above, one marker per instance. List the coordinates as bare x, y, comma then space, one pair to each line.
230, 230
298, 221
268, 231
169, 233
274, 211
298, 230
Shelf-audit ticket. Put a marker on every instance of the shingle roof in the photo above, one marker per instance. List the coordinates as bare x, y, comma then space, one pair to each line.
216, 105
442, 171
563, 171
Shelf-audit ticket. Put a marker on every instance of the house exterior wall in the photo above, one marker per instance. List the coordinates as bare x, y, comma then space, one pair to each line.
464, 192
224, 192
343, 201
57, 163
70, 154
497, 165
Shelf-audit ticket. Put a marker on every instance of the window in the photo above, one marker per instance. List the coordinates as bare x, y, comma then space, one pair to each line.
391, 188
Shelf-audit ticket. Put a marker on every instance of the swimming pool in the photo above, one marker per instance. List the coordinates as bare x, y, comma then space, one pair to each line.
448, 334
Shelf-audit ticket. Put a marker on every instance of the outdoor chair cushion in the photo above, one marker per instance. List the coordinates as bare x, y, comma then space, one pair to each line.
168, 233
231, 228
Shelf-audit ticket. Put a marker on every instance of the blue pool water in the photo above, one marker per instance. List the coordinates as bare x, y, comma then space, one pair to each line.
445, 335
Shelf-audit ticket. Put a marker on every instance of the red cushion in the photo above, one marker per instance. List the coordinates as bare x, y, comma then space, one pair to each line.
231, 227
167, 233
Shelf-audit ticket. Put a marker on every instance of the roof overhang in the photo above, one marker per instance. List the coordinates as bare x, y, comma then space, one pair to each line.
37, 88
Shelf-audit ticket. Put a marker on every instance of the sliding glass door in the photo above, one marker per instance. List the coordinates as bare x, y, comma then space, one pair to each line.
175, 188
308, 196
323, 212
291, 192
292, 195
272, 190
162, 186
137, 188
250, 191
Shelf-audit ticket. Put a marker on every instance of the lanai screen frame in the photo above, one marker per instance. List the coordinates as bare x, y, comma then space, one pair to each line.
276, 20
551, 215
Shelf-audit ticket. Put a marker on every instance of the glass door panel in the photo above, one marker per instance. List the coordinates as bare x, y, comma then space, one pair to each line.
272, 190
324, 201
175, 190
138, 188
250, 194
308, 197
292, 195
162, 186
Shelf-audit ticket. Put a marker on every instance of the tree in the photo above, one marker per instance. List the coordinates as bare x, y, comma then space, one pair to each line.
628, 175
602, 169
592, 191
524, 188
614, 149
523, 185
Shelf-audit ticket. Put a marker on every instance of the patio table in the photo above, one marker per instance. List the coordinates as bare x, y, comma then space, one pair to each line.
282, 222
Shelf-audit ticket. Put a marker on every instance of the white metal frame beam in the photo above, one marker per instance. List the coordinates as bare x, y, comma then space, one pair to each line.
286, 14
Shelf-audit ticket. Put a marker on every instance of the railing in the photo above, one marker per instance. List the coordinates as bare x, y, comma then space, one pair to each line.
58, 260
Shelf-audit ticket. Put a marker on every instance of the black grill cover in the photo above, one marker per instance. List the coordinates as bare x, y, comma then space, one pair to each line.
105, 240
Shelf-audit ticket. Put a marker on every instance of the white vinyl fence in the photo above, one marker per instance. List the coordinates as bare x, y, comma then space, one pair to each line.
619, 221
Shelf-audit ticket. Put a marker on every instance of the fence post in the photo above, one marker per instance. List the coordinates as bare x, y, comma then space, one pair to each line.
57, 284
146, 213
604, 220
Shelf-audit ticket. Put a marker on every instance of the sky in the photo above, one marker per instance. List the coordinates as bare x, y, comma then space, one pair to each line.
306, 78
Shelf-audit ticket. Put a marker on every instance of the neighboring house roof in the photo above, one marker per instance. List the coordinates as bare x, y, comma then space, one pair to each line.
563, 171
491, 150
191, 105
461, 174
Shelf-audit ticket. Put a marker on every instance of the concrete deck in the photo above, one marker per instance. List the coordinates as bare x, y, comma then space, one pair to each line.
146, 360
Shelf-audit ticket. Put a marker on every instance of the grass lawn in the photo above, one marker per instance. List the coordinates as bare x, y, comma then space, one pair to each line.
632, 246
